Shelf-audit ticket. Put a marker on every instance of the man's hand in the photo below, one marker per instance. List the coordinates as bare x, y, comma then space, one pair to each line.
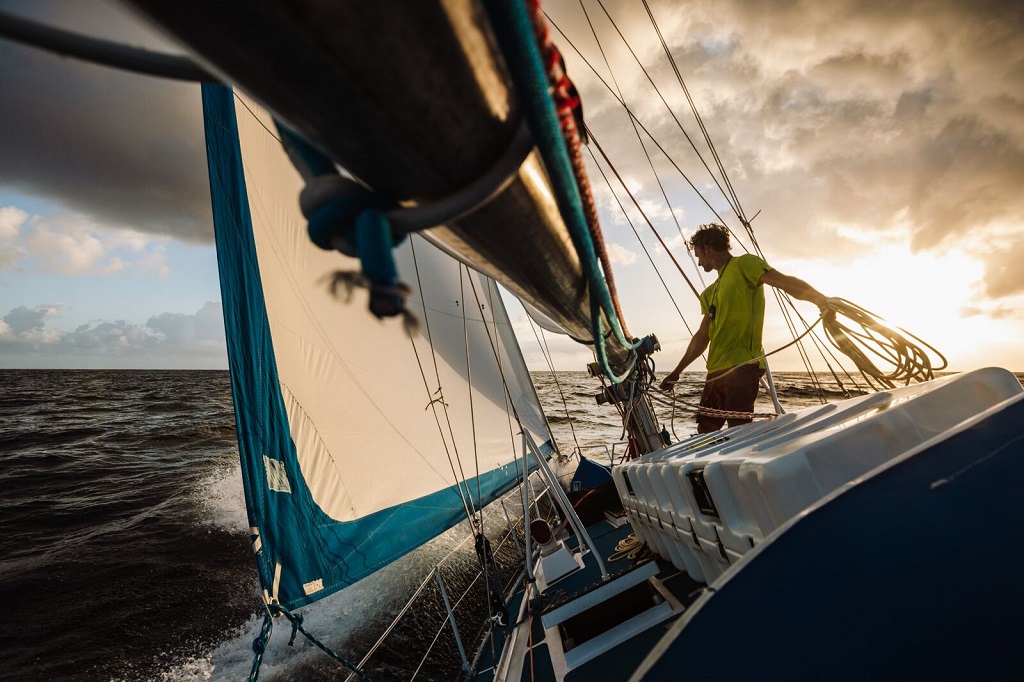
668, 383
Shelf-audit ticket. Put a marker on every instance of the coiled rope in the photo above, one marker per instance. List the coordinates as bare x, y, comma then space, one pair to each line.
629, 547
870, 335
863, 336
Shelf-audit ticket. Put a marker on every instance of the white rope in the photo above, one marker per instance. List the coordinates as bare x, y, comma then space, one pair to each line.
906, 354
865, 335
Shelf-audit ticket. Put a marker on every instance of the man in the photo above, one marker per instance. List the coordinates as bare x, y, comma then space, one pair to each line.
733, 308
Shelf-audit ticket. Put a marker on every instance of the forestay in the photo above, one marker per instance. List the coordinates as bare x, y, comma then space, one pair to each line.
353, 434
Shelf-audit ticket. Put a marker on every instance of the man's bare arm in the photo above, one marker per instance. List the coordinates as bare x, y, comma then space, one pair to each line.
698, 344
797, 288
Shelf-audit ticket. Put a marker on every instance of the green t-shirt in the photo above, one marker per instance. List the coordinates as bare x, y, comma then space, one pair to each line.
738, 299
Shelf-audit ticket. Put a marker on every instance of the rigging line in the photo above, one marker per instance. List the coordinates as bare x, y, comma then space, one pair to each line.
636, 130
259, 120
409, 603
668, 156
822, 349
670, 159
445, 624
482, 555
494, 349
522, 33
103, 52
693, 145
433, 403
638, 207
472, 405
642, 245
696, 115
325, 335
546, 352
788, 308
501, 372
509, 401
511, 410
782, 299
616, 403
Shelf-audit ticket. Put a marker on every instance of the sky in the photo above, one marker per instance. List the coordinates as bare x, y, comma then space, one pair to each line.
880, 146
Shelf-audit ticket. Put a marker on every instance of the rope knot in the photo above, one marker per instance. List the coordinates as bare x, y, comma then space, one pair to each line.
348, 217
259, 645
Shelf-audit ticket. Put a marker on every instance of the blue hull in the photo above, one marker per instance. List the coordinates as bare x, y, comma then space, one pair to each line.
910, 573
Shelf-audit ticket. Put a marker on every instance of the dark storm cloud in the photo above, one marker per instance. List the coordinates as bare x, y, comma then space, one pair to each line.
123, 149
965, 182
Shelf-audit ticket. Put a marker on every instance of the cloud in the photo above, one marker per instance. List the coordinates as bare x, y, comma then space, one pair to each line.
123, 149
620, 255
71, 244
205, 327
28, 323
11, 220
168, 339
1002, 272
832, 119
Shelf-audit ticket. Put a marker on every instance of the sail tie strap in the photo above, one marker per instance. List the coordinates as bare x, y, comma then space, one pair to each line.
350, 218
353, 219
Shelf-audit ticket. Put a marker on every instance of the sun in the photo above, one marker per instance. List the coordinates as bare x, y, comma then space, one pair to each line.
928, 295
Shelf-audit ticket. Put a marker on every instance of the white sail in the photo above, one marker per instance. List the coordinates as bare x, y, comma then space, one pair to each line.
377, 439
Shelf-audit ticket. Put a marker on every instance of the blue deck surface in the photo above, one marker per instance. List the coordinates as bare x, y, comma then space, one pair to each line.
619, 662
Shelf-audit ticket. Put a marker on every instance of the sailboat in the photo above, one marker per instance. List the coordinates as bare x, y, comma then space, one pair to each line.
410, 157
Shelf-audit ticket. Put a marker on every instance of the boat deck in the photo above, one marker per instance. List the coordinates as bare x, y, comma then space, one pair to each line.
586, 627
842, 525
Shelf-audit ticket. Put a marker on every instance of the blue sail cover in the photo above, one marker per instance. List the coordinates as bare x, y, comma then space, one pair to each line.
358, 441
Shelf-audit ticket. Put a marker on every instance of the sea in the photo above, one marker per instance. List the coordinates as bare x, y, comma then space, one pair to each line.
124, 546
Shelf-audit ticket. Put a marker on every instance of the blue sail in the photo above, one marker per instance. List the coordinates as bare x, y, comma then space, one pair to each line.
335, 488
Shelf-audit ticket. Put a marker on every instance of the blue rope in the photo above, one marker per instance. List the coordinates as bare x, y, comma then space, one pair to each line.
296, 621
513, 27
351, 219
259, 645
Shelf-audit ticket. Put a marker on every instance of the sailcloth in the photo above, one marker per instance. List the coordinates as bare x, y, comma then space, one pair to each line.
358, 441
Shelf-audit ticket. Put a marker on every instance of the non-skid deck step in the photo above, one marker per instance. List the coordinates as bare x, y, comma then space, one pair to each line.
602, 592
598, 619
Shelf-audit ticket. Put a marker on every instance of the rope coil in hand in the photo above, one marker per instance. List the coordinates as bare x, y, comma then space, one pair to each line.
869, 335
864, 336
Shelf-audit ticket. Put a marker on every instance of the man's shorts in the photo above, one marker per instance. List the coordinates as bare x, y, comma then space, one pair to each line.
734, 390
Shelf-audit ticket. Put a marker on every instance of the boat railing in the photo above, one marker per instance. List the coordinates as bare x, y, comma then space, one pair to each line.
610, 454
509, 534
